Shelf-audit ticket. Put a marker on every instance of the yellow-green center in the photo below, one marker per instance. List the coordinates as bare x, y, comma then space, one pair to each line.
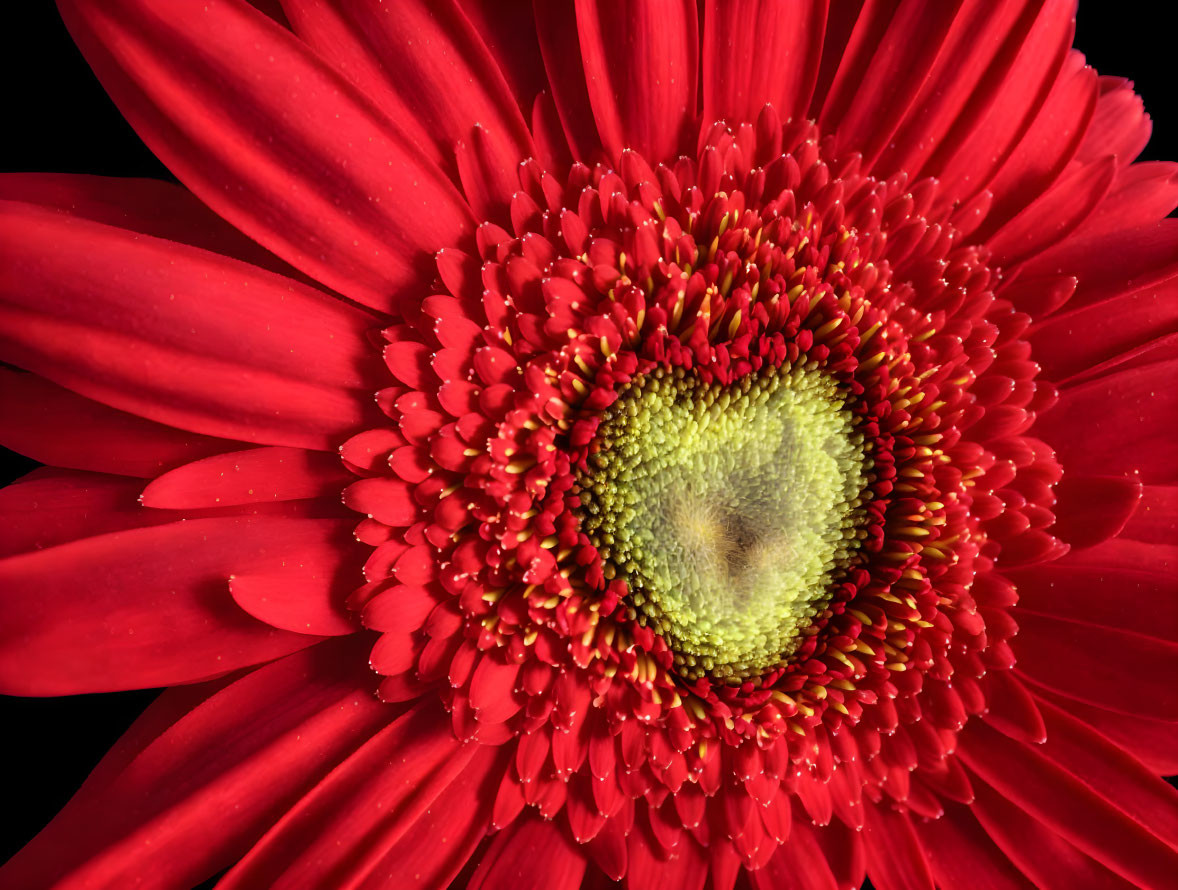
728, 511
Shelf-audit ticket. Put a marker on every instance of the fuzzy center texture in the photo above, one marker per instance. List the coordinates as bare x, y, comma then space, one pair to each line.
728, 511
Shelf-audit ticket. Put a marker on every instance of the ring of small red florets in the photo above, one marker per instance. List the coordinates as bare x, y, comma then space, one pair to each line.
757, 253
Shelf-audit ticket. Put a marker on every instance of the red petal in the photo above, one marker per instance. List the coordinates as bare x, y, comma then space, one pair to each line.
146, 607
1011, 709
532, 854
1114, 669
1120, 125
1031, 779
427, 69
148, 206
1147, 255
687, 869
509, 32
640, 61
1119, 584
432, 853
1091, 509
1049, 861
409, 362
556, 29
492, 689
1141, 194
962, 855
379, 792
844, 848
306, 597
1153, 742
179, 335
757, 52
1112, 773
1044, 151
975, 57
399, 608
881, 71
1072, 341
1118, 423
1055, 214
50, 507
180, 802
895, 857
798, 864
994, 121
256, 124
42, 421
247, 477
386, 500
608, 850
1156, 519
487, 181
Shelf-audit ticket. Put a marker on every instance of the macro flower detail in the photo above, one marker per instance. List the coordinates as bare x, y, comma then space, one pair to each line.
753, 493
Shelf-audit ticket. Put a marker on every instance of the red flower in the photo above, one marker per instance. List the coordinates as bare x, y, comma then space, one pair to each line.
769, 479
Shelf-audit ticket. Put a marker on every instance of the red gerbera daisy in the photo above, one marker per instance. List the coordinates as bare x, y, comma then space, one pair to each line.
769, 480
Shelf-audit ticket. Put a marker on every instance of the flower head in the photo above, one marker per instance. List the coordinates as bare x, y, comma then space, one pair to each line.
723, 516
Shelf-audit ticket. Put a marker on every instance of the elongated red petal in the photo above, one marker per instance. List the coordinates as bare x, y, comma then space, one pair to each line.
430, 73
1091, 509
256, 124
961, 854
395, 776
304, 597
1080, 660
175, 341
441, 842
1119, 584
1074, 340
509, 31
977, 54
1049, 861
756, 52
1055, 214
1128, 423
1120, 125
146, 607
1153, 742
687, 869
50, 507
42, 420
798, 864
1033, 781
530, 855
1141, 194
1045, 149
148, 206
641, 64
1113, 774
895, 856
881, 72
992, 125
260, 475
556, 30
198, 778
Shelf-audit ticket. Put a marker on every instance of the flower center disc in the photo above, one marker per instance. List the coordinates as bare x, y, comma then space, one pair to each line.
727, 510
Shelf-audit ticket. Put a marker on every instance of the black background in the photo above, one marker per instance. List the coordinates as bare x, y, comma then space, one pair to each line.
57, 117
